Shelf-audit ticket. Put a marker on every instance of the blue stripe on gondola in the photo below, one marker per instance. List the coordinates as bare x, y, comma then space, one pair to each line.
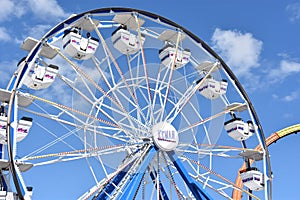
66, 44
114, 42
165, 57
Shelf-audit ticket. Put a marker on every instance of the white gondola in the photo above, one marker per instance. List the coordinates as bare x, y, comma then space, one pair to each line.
77, 46
212, 89
126, 42
23, 128
167, 55
4, 195
40, 76
252, 179
238, 129
3, 122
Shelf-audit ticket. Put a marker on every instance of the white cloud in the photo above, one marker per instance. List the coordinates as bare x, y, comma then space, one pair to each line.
4, 35
36, 31
20, 9
288, 116
291, 97
240, 51
47, 9
7, 9
11, 8
7, 69
275, 96
294, 11
287, 68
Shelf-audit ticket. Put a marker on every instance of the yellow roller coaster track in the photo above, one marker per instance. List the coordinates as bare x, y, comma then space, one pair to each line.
237, 194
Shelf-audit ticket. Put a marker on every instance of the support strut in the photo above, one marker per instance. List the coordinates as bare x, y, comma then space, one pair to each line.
193, 185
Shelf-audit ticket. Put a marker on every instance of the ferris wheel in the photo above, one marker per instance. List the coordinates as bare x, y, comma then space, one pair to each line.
119, 103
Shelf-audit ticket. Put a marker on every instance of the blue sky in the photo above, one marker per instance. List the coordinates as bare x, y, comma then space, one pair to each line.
259, 40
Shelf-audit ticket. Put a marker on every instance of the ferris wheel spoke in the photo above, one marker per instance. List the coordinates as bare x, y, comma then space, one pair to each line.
135, 96
58, 139
92, 81
60, 106
84, 125
123, 120
188, 95
114, 93
101, 72
73, 155
157, 89
203, 121
225, 153
162, 82
56, 117
115, 63
144, 64
172, 68
130, 68
163, 97
92, 171
137, 86
180, 103
217, 190
91, 102
136, 108
99, 130
64, 108
63, 123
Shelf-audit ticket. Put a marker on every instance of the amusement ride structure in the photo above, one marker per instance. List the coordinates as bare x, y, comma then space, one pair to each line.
134, 106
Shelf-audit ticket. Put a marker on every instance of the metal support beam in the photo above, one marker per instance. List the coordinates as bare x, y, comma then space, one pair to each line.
130, 189
163, 193
193, 185
110, 187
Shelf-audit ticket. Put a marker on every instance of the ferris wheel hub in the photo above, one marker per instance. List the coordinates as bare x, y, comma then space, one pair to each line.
165, 136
